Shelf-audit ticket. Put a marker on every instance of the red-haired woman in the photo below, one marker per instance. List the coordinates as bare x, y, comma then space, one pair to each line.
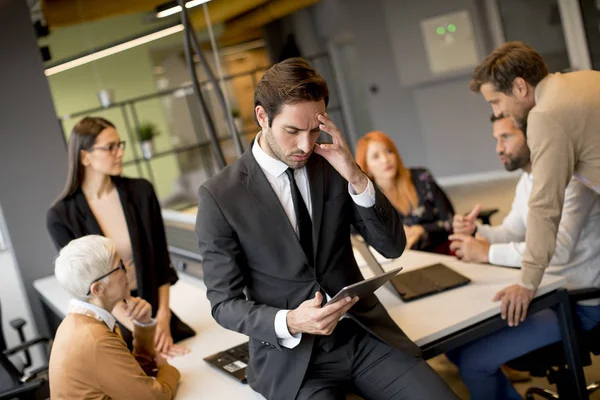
426, 210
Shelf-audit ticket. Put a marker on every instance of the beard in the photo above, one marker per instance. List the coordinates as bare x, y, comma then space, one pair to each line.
274, 150
517, 161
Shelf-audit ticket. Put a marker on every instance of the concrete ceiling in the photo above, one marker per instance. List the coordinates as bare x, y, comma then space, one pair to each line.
243, 19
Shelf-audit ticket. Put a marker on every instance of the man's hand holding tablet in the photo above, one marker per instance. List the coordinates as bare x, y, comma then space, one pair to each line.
311, 318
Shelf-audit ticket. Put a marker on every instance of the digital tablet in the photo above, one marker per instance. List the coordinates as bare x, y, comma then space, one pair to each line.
365, 287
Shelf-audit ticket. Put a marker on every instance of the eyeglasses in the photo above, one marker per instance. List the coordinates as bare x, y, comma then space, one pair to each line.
120, 266
112, 148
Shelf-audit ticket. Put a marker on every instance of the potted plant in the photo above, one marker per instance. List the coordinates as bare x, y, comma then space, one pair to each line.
147, 131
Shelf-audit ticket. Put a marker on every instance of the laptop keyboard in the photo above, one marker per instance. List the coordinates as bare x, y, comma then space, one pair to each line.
240, 352
428, 280
409, 281
231, 360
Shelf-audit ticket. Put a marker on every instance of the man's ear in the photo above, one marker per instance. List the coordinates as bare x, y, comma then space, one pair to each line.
262, 117
520, 88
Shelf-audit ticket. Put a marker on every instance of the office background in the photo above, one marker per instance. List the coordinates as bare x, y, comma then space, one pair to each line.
374, 56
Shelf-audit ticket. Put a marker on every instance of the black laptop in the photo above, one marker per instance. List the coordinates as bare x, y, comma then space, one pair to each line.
428, 280
232, 361
417, 283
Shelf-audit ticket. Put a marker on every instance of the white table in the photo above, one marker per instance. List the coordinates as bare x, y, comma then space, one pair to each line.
424, 321
431, 318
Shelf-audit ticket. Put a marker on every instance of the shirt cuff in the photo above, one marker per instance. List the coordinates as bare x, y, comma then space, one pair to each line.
365, 199
151, 323
504, 254
284, 337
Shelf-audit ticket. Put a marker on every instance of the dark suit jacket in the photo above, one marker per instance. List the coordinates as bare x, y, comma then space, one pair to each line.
72, 218
254, 265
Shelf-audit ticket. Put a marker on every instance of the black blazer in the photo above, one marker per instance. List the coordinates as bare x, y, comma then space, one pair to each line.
254, 264
72, 218
434, 212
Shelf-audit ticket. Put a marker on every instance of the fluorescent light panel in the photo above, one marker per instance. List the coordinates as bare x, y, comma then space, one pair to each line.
113, 50
177, 9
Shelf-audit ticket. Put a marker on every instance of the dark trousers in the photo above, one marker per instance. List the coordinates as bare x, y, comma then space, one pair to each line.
353, 361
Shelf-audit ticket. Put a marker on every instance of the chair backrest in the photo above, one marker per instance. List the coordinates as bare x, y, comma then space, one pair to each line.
9, 374
2, 341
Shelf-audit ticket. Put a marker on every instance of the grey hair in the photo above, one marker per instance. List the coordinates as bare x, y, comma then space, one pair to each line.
82, 261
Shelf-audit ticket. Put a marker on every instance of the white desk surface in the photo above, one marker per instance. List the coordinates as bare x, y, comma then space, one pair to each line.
430, 318
423, 320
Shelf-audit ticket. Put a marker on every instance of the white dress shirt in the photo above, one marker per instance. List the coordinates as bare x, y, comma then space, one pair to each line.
100, 313
274, 170
577, 254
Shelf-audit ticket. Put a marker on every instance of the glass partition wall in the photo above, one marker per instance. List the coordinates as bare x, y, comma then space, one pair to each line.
147, 93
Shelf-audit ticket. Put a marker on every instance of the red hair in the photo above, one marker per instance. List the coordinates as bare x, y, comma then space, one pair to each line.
404, 197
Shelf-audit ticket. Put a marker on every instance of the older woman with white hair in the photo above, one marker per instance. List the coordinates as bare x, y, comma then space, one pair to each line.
89, 358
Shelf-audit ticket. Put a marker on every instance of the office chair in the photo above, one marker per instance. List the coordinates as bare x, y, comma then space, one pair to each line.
14, 382
486, 214
550, 361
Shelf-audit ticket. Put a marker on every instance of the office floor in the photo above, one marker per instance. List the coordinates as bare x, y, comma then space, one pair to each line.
449, 373
497, 194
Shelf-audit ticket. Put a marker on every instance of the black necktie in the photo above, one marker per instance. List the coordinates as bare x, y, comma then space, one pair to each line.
303, 221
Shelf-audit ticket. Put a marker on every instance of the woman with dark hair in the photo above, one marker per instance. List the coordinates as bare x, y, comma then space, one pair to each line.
425, 208
97, 200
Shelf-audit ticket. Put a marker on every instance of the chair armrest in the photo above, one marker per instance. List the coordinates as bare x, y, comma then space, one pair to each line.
17, 323
577, 295
26, 388
34, 373
26, 345
486, 214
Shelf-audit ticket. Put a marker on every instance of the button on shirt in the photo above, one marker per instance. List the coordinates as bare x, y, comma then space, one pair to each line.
274, 171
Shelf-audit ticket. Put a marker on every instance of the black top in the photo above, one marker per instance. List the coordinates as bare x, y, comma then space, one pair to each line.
434, 213
72, 218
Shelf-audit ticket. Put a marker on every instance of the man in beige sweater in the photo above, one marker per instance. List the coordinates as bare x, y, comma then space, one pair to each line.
89, 358
562, 112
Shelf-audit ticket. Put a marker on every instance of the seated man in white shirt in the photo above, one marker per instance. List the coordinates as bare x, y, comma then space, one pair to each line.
577, 257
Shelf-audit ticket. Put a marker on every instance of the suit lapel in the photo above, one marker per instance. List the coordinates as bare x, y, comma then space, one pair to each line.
130, 215
260, 189
92, 227
134, 228
314, 169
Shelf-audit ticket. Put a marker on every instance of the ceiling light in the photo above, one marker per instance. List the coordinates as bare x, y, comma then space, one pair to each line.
177, 9
113, 50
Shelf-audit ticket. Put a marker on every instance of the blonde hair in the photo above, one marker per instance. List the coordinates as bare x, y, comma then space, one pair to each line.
405, 197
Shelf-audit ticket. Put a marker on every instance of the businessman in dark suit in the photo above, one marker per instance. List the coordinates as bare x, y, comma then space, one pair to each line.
274, 234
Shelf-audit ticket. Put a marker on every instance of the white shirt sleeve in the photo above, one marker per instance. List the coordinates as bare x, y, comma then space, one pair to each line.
365, 199
578, 204
512, 228
284, 337
507, 254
